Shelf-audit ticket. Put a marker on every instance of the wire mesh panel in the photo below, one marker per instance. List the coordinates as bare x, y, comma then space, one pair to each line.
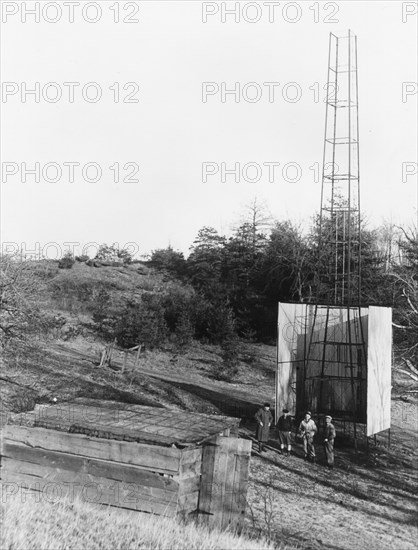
337, 361
335, 374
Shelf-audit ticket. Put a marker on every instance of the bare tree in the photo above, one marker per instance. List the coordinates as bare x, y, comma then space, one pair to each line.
20, 315
256, 221
388, 239
405, 277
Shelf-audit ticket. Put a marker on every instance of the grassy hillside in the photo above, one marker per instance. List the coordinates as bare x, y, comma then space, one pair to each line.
64, 361
65, 525
368, 501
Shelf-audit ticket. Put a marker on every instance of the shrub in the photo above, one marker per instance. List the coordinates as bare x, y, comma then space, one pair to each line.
100, 312
229, 345
113, 254
169, 260
82, 258
184, 330
67, 261
139, 322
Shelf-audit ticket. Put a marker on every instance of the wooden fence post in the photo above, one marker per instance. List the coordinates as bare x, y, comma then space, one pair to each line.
102, 360
125, 358
137, 355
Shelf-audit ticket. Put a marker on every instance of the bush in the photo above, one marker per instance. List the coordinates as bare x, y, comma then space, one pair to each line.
184, 330
137, 322
229, 346
82, 258
178, 303
169, 260
78, 296
100, 313
113, 254
67, 261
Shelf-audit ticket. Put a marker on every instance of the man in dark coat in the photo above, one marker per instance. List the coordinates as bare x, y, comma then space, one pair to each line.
264, 419
284, 426
329, 436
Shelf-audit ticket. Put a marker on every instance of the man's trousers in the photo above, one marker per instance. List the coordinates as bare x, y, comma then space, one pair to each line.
308, 447
329, 452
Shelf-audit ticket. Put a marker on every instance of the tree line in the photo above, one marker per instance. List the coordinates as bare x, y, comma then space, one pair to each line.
228, 288
243, 277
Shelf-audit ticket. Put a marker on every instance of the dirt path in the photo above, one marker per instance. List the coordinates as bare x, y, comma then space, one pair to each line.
238, 399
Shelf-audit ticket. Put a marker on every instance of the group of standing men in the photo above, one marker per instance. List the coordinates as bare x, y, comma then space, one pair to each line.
306, 431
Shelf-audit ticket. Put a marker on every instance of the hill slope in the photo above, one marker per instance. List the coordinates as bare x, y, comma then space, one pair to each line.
369, 500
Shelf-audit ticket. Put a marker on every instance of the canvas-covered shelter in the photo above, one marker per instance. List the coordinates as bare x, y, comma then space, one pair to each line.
149, 459
335, 360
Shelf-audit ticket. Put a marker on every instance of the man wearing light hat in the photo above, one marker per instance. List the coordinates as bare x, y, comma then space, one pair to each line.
329, 436
307, 430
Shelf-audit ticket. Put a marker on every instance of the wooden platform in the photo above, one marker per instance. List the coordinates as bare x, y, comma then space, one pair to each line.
142, 458
110, 420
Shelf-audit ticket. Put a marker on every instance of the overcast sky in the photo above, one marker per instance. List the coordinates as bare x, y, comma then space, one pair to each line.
165, 125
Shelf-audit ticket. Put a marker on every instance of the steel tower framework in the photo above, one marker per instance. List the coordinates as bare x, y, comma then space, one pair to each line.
339, 267
334, 370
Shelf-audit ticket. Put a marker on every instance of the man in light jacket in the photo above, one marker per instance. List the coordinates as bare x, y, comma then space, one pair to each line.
307, 430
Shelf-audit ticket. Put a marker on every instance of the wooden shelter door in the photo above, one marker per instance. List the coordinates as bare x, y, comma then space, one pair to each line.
224, 482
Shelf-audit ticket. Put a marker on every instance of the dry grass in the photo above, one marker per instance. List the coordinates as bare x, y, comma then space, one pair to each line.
73, 525
366, 502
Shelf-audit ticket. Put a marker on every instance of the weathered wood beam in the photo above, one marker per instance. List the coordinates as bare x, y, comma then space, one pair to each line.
163, 459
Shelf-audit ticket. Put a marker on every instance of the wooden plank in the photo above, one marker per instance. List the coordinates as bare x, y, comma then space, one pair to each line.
192, 469
205, 495
90, 466
241, 475
12, 467
234, 430
191, 455
190, 462
213, 471
188, 503
223, 493
228, 487
98, 490
379, 369
219, 482
159, 459
188, 485
241, 484
118, 433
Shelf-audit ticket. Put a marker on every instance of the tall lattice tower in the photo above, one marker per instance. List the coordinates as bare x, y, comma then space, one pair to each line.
339, 262
334, 352
334, 373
